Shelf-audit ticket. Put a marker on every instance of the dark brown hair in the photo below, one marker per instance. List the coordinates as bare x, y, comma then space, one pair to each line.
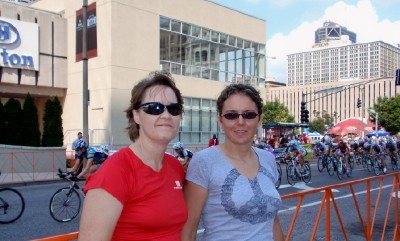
153, 79
243, 89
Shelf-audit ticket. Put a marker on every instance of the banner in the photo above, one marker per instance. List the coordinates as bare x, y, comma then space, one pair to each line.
91, 32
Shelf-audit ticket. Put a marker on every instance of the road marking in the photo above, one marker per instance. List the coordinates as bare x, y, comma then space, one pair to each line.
394, 194
336, 198
302, 186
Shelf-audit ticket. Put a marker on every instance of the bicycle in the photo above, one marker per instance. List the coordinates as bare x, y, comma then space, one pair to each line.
12, 205
341, 169
378, 166
278, 183
294, 174
65, 204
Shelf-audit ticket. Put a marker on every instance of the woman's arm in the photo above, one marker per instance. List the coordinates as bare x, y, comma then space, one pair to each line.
100, 214
277, 230
195, 197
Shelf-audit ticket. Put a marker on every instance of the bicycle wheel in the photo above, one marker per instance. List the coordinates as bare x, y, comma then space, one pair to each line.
291, 174
321, 163
329, 167
278, 182
393, 161
306, 176
340, 169
65, 205
12, 205
370, 164
377, 168
351, 162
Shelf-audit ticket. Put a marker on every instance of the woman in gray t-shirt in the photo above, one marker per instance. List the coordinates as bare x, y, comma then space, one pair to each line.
231, 186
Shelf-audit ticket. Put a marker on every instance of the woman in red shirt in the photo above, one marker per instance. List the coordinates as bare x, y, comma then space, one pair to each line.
137, 193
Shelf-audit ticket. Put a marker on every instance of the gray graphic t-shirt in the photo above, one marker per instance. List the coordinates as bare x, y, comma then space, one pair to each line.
237, 208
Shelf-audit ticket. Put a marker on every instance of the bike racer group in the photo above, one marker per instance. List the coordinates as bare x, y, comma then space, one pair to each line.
379, 146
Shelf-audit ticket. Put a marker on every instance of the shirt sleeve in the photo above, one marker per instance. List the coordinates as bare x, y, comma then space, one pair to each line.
197, 171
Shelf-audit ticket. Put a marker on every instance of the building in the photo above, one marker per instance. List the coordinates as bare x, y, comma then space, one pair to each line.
331, 31
329, 64
337, 99
205, 45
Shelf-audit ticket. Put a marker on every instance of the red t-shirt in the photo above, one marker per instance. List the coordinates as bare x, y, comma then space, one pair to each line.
153, 203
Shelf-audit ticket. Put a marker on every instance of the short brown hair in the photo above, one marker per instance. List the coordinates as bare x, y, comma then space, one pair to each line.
153, 79
243, 89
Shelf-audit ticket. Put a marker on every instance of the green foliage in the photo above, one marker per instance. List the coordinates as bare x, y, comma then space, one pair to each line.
275, 111
317, 124
388, 110
52, 124
30, 123
13, 122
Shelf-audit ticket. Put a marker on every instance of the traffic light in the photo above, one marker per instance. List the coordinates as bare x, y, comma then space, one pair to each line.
306, 119
358, 103
398, 77
303, 112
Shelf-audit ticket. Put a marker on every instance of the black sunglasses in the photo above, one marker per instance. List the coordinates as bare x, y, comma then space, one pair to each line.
248, 115
156, 108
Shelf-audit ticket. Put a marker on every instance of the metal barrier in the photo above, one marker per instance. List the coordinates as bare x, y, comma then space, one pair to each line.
368, 225
28, 166
328, 198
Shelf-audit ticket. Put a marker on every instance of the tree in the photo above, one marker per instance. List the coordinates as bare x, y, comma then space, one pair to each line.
274, 111
388, 110
317, 124
52, 124
30, 123
13, 122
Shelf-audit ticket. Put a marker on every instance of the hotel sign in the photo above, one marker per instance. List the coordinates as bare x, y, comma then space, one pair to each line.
19, 44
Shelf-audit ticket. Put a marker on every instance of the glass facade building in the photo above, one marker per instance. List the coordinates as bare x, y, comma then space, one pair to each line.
191, 50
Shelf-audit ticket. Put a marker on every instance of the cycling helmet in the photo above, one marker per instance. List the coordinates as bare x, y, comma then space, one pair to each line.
373, 138
178, 146
90, 152
104, 148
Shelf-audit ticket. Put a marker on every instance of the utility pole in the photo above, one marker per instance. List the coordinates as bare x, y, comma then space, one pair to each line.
85, 90
363, 110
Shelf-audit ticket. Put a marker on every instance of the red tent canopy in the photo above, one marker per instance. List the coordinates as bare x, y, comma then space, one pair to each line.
352, 125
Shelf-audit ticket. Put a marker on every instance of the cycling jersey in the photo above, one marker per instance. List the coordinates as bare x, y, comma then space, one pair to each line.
185, 153
97, 154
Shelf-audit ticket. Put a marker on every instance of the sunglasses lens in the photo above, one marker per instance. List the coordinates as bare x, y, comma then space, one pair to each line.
231, 116
154, 108
249, 115
174, 109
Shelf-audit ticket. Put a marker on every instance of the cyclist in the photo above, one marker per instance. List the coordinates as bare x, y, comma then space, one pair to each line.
80, 156
183, 155
377, 148
96, 156
392, 149
319, 147
343, 149
298, 151
327, 140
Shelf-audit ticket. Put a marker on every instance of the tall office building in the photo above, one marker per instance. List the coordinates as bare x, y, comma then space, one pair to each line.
339, 63
331, 31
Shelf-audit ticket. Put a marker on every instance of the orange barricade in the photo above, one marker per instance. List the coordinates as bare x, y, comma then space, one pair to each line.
367, 220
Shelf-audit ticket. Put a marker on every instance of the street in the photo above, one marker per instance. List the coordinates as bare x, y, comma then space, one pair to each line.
36, 221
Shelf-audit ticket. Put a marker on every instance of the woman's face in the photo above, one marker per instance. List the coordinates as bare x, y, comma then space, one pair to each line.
160, 128
240, 130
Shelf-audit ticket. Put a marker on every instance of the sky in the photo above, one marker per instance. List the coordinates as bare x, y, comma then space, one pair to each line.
291, 24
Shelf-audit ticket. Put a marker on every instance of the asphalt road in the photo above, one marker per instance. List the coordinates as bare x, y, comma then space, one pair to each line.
36, 221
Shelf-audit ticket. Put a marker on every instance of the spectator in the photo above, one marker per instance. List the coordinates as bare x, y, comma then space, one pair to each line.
129, 197
226, 182
213, 141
